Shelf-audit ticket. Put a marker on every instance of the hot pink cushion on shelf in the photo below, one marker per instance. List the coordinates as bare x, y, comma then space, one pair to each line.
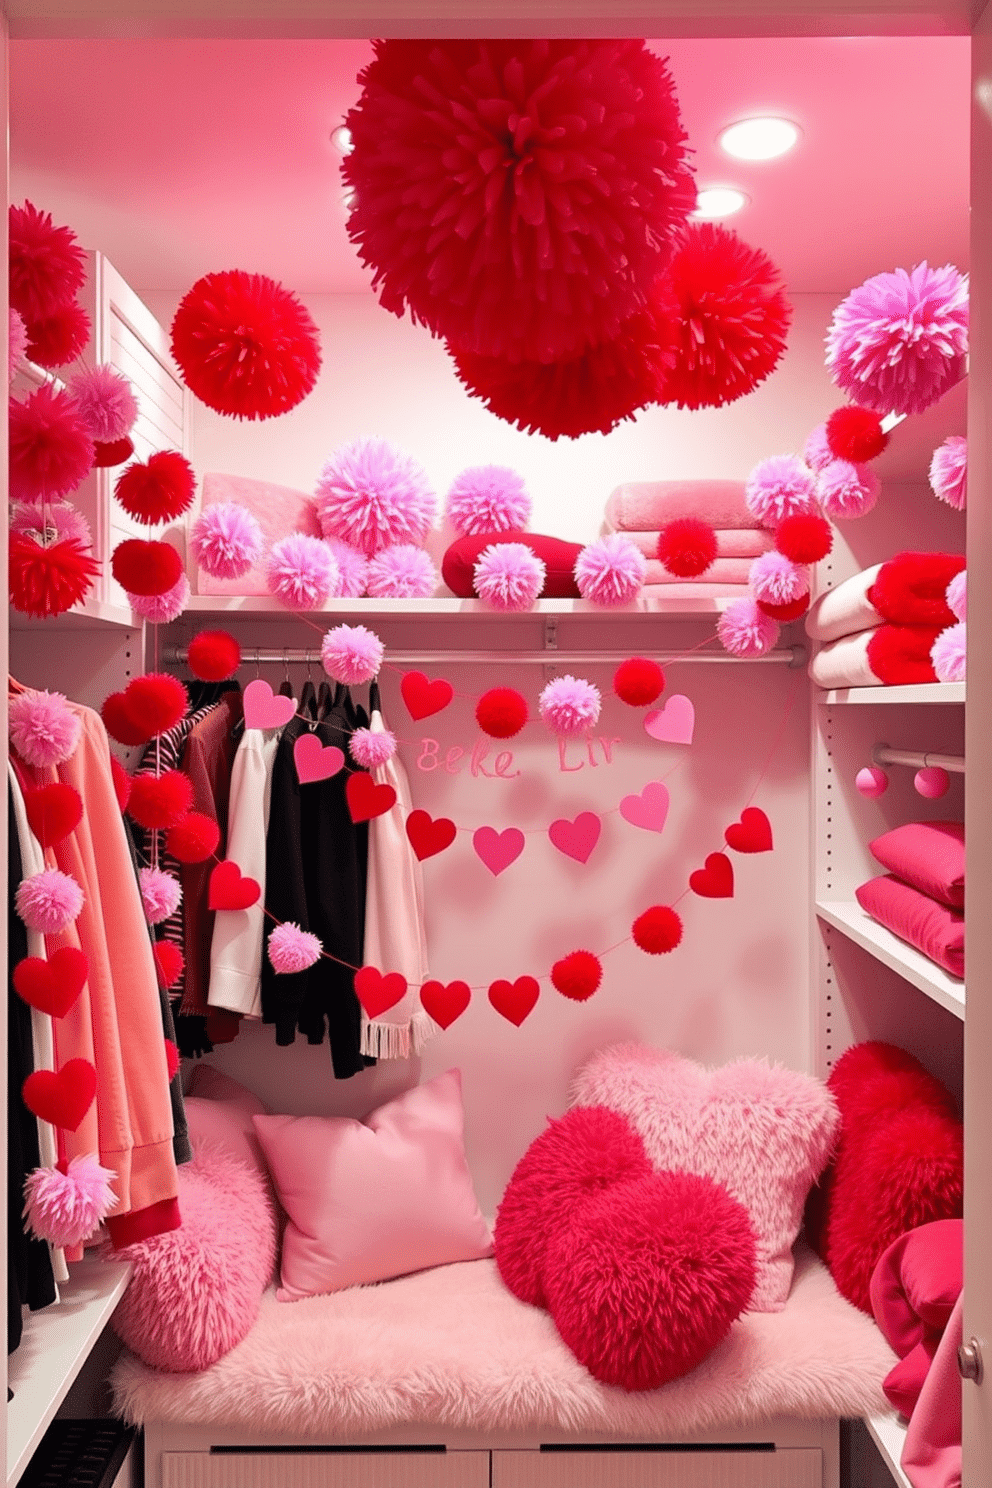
913, 1290
278, 511
929, 855
375, 1199
932, 928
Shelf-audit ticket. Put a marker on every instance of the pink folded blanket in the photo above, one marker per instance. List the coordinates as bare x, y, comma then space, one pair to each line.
721, 571
278, 511
893, 655
647, 506
694, 589
731, 542
932, 928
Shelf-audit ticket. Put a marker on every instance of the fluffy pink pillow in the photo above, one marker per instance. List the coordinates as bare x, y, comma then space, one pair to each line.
375, 1199
762, 1131
219, 1112
927, 854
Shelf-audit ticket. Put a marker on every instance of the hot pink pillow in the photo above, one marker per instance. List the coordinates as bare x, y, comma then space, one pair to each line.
375, 1199
913, 1290
927, 854
931, 927
762, 1131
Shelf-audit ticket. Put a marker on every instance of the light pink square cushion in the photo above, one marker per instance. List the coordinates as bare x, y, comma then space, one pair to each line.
278, 511
375, 1199
765, 1132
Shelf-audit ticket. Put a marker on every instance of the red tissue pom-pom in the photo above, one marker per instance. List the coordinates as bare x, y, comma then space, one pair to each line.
213, 655
687, 547
60, 337
51, 452
195, 839
804, 537
160, 801
657, 930
47, 265
156, 702
114, 453
247, 346
143, 567
501, 712
122, 782
171, 1059
169, 963
733, 317
157, 491
638, 681
900, 654
544, 175
855, 434
577, 975
118, 722
791, 610
48, 581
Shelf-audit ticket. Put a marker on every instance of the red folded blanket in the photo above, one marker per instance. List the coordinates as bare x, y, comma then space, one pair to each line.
891, 654
910, 588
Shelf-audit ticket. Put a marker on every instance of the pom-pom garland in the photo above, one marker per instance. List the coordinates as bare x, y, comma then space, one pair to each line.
114, 453
156, 702
509, 576
402, 572
122, 783
353, 569
501, 712
50, 452
48, 901
292, 949
46, 581
226, 540
785, 612
856, 434
488, 498
687, 547
949, 653
143, 567
610, 571
744, 630
569, 705
169, 963
194, 839
60, 338
106, 402
373, 496
247, 347
300, 571
817, 453
776, 579
780, 487
658, 930
213, 655
638, 681
160, 894
351, 654
805, 537
846, 490
66, 1208
957, 595
118, 722
161, 609
17, 342
43, 728
51, 518
159, 802
949, 472
577, 975
158, 490
47, 267
371, 748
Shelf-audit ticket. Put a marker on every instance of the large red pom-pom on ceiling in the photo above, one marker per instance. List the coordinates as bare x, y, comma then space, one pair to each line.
159, 490
247, 347
546, 175
47, 265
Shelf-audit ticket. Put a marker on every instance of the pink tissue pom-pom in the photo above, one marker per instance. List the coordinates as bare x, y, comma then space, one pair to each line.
66, 1208
744, 630
106, 402
351, 654
50, 452
948, 653
402, 572
48, 901
847, 490
160, 894
372, 495
66, 520
301, 571
509, 576
161, 609
226, 540
949, 472
610, 571
816, 451
371, 748
17, 342
488, 498
43, 728
569, 705
777, 580
898, 341
957, 595
292, 949
353, 569
780, 487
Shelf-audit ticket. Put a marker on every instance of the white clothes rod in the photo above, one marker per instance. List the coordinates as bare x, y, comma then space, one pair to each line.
792, 656
883, 755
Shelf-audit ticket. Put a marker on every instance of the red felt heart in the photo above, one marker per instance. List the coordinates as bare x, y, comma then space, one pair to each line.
752, 834
445, 1003
365, 798
229, 889
61, 1098
423, 697
376, 992
716, 879
52, 986
171, 1059
514, 1000
428, 837
53, 811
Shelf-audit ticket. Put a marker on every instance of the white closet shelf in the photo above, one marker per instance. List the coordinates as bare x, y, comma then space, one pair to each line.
264, 606
54, 1347
923, 692
849, 918
889, 1433
92, 614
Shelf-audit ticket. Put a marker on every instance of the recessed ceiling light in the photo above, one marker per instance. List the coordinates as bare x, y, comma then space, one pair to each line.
718, 201
759, 139
341, 139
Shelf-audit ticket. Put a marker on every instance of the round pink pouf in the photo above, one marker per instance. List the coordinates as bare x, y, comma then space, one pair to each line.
871, 781
932, 782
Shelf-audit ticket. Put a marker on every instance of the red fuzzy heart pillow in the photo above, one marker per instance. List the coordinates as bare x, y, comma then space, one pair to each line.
557, 555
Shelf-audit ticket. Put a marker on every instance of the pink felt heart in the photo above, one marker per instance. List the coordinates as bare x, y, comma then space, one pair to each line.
445, 1003
498, 849
514, 1000
423, 697
61, 1098
229, 889
316, 761
366, 799
648, 810
428, 836
752, 834
378, 993
52, 986
265, 709
674, 723
715, 880
576, 839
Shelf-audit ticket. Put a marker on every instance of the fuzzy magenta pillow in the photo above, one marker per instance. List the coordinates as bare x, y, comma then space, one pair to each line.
557, 555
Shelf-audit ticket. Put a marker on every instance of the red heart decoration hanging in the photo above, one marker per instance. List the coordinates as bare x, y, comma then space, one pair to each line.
376, 992
229, 889
52, 986
716, 879
171, 1059
752, 834
423, 697
53, 811
428, 837
514, 1000
61, 1098
445, 1003
366, 799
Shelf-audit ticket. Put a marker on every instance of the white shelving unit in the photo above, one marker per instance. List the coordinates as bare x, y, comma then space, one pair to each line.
889, 1434
924, 692
849, 918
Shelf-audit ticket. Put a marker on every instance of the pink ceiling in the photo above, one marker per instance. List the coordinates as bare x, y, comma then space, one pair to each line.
181, 157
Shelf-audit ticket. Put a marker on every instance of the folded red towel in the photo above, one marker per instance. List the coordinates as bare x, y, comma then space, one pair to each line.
910, 588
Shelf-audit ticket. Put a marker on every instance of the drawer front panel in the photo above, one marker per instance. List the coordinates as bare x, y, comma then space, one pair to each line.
337, 1469
790, 1468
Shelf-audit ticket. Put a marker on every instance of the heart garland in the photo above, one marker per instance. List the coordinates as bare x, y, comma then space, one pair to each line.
52, 986
230, 889
61, 1097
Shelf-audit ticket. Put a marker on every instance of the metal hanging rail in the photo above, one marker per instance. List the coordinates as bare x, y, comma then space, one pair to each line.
883, 755
792, 656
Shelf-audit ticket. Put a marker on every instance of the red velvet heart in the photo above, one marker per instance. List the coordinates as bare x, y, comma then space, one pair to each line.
445, 1003
376, 992
514, 1000
63, 1098
423, 697
752, 834
716, 879
365, 798
427, 836
53, 811
52, 986
229, 889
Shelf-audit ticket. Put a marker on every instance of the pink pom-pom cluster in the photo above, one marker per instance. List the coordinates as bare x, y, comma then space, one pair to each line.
847, 490
106, 402
67, 1208
780, 487
17, 342
373, 496
402, 572
48, 901
744, 630
43, 728
66, 520
301, 571
160, 894
957, 595
371, 748
488, 498
509, 576
777, 580
161, 609
226, 540
817, 453
351, 654
292, 949
569, 705
949, 472
949, 653
353, 568
611, 570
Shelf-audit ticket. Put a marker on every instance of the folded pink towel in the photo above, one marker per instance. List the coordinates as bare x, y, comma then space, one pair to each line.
278, 510
647, 506
932, 928
694, 589
731, 542
844, 610
721, 571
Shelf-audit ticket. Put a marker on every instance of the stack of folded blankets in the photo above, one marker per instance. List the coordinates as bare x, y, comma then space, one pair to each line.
640, 509
879, 626
921, 896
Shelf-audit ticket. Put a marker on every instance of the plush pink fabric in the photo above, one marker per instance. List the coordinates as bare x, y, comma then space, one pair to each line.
225, 1124
931, 927
374, 1199
763, 1131
845, 609
278, 511
845, 662
721, 571
913, 1289
731, 542
931, 1453
646, 506
929, 855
